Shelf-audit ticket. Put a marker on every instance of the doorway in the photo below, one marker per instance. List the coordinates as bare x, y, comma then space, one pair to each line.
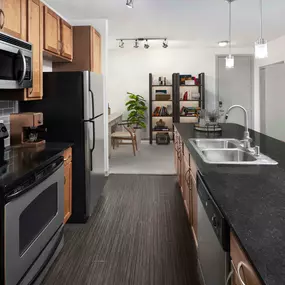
272, 100
235, 86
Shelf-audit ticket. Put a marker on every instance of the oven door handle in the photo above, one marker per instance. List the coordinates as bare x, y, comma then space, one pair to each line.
15, 195
24, 67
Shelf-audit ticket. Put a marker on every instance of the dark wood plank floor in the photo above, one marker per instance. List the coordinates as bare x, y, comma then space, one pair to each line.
138, 235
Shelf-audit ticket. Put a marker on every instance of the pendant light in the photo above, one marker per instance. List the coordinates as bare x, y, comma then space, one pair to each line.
230, 61
261, 50
130, 4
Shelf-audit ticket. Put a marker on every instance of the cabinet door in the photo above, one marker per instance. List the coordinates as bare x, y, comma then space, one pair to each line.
194, 207
67, 191
246, 271
51, 31
66, 40
35, 36
13, 18
95, 51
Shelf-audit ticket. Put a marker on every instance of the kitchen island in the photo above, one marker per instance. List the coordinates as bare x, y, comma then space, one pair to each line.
252, 199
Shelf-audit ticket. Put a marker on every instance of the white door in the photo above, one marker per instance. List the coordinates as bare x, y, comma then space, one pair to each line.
272, 100
235, 86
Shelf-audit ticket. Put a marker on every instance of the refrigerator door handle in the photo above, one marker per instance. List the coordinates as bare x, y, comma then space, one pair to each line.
93, 144
92, 100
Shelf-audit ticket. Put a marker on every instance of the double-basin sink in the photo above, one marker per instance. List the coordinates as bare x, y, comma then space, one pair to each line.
229, 151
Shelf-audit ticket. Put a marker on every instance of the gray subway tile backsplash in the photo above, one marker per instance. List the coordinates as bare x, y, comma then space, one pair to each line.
6, 108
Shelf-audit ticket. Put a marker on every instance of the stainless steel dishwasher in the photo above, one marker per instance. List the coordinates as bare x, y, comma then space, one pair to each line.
213, 238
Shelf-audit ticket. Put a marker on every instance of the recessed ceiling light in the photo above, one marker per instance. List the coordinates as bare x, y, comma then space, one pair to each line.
223, 43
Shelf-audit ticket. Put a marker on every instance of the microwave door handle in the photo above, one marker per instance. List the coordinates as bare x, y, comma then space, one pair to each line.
24, 67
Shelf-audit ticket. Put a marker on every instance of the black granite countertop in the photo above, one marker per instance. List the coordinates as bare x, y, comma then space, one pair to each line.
21, 162
252, 198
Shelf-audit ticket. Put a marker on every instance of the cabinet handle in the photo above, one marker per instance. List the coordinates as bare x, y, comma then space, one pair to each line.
3, 23
229, 277
64, 180
238, 271
67, 158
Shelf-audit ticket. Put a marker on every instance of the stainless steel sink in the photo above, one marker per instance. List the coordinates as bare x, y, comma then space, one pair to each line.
228, 151
216, 143
228, 155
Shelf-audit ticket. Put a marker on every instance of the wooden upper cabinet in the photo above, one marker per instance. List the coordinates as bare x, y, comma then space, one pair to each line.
95, 51
13, 18
66, 39
51, 31
86, 51
35, 36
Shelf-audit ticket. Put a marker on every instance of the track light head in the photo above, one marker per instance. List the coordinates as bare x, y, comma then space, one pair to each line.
165, 44
130, 4
146, 45
121, 44
136, 44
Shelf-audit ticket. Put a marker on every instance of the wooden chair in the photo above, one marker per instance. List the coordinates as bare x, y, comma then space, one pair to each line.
117, 138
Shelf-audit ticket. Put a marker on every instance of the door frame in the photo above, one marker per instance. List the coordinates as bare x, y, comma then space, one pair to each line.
262, 88
252, 105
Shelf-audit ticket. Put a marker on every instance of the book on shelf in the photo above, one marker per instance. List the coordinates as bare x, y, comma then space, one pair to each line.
161, 111
189, 111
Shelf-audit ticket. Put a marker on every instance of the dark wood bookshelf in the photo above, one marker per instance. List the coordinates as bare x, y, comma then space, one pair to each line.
190, 100
175, 99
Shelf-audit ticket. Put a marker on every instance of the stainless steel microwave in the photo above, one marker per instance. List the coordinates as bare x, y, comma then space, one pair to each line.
16, 70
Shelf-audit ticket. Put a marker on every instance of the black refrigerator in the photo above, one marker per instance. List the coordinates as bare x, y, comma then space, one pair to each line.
73, 111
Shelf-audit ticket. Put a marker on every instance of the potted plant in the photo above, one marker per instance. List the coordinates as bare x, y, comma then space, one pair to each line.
136, 107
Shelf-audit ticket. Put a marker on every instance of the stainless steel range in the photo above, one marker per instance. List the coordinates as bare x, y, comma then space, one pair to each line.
33, 223
31, 213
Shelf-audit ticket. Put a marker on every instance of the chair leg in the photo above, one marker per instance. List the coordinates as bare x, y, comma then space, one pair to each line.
134, 147
113, 143
136, 144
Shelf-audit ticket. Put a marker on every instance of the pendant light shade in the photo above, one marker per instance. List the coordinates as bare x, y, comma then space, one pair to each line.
230, 61
130, 4
261, 49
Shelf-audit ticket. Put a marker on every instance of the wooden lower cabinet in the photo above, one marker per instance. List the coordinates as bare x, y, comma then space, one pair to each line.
67, 184
246, 271
194, 207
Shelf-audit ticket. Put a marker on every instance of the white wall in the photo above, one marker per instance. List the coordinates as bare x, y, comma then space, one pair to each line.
276, 53
129, 70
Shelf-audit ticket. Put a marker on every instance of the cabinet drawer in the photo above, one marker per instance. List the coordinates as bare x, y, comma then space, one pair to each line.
247, 272
67, 155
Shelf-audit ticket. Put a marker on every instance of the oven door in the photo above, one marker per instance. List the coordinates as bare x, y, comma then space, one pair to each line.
31, 220
15, 67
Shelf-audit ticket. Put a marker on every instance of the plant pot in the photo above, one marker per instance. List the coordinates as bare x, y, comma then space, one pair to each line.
139, 137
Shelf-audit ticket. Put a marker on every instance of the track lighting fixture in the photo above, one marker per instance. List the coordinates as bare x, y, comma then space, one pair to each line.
121, 44
146, 45
146, 40
136, 44
130, 3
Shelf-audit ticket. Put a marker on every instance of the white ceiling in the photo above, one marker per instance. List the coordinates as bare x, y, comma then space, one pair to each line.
195, 22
